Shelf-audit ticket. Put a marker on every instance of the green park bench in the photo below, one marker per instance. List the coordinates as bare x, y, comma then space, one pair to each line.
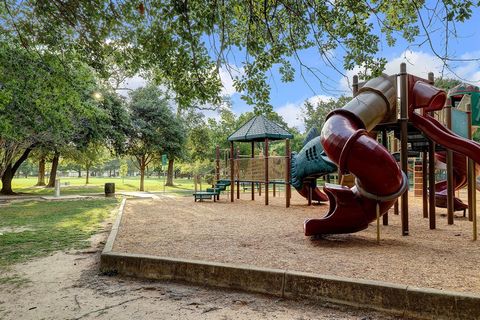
202, 195
212, 192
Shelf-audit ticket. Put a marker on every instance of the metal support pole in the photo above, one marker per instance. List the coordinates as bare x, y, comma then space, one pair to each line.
450, 187
425, 183
266, 171
403, 141
287, 173
232, 172
253, 183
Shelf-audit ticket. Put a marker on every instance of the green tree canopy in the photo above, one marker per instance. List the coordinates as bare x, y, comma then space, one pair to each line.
446, 83
184, 43
40, 97
315, 113
155, 130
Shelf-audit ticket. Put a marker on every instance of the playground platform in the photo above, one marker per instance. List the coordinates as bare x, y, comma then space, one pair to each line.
250, 246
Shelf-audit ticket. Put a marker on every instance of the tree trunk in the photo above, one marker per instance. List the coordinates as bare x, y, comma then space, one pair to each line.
170, 173
53, 171
87, 177
7, 181
41, 172
80, 172
142, 173
9, 173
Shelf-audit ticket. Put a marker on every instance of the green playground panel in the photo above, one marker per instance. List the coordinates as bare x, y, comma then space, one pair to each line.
475, 108
460, 123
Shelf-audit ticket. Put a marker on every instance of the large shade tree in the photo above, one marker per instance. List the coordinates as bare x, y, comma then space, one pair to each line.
49, 104
185, 43
40, 97
155, 130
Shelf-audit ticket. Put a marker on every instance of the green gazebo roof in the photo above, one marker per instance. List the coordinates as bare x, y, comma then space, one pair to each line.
260, 128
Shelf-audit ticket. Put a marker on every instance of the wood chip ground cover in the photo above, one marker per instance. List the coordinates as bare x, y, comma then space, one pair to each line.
248, 232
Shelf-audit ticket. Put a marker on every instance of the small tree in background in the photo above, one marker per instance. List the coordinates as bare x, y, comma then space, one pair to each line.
315, 113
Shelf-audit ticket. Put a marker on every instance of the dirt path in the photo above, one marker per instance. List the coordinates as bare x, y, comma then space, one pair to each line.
67, 285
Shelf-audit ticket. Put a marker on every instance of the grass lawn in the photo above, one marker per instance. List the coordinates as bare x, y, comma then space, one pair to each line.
77, 185
35, 228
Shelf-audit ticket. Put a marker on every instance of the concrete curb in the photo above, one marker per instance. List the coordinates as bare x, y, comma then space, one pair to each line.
116, 225
402, 300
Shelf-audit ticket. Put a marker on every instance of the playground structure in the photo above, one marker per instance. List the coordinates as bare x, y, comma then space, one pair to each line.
378, 182
264, 170
299, 170
428, 123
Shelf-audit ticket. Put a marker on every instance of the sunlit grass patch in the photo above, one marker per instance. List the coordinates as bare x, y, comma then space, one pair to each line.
49, 227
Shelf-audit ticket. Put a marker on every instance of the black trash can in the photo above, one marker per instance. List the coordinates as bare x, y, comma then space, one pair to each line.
109, 189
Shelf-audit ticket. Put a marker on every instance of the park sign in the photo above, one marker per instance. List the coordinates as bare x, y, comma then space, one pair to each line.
164, 159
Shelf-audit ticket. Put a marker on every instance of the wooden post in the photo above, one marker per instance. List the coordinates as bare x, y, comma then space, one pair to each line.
450, 187
355, 85
309, 193
472, 192
431, 184
377, 209
238, 172
266, 171
385, 145
470, 167
274, 184
403, 141
396, 210
287, 173
217, 163
425, 183
253, 183
431, 175
232, 172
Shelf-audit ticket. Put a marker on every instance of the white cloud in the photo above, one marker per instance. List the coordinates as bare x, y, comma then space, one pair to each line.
227, 75
292, 112
132, 83
420, 63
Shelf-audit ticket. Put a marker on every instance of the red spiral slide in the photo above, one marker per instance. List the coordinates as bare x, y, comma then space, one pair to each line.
459, 181
345, 139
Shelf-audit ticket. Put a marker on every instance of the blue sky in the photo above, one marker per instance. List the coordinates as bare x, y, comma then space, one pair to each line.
287, 98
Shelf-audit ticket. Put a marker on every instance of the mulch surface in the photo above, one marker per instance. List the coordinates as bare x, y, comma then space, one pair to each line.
248, 232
